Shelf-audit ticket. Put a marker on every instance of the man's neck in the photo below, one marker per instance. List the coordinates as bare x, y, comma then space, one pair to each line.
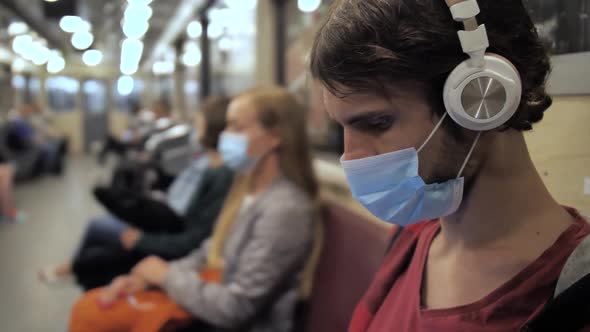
507, 202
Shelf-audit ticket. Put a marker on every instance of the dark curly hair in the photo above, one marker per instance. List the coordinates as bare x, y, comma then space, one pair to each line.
368, 45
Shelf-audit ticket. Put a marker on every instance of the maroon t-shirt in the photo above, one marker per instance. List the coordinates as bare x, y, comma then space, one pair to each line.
392, 302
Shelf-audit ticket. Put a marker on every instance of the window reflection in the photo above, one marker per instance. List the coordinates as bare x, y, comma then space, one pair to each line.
61, 93
124, 101
95, 96
564, 24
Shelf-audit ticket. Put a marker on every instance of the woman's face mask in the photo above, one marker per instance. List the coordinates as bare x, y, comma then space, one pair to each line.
233, 148
244, 142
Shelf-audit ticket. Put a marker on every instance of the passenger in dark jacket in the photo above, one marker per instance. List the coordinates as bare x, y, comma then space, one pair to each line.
168, 228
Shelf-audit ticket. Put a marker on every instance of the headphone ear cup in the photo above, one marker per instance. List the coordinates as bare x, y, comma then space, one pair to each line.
483, 98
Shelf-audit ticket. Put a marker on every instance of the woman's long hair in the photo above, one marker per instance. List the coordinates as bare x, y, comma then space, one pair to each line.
278, 110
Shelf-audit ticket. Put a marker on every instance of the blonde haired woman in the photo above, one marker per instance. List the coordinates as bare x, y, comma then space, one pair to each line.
249, 275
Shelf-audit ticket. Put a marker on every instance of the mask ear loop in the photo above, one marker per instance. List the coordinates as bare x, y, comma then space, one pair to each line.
433, 132
469, 154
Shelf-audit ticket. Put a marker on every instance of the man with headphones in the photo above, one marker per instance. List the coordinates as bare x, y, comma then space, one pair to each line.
434, 98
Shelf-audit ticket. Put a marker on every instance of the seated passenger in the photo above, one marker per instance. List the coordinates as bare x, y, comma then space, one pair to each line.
146, 211
30, 129
130, 139
434, 142
132, 169
246, 277
142, 124
146, 226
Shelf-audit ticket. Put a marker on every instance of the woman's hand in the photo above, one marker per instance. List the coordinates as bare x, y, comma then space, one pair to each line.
152, 269
121, 286
130, 237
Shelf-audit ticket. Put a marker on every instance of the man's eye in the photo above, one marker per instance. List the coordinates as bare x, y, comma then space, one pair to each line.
382, 122
376, 125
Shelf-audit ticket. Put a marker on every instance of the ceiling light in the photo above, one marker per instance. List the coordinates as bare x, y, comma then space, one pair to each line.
51, 0
41, 54
135, 30
70, 23
163, 67
224, 16
131, 50
82, 40
138, 13
17, 28
92, 57
308, 6
125, 85
73, 24
194, 29
191, 59
128, 68
18, 65
192, 55
215, 30
22, 44
56, 64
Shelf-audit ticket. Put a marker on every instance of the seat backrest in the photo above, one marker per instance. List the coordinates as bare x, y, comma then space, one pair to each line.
354, 247
172, 149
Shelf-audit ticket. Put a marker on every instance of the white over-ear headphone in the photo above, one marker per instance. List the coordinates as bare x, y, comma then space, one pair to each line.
483, 92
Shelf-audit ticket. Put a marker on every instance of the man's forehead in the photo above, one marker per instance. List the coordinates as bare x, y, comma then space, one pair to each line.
353, 102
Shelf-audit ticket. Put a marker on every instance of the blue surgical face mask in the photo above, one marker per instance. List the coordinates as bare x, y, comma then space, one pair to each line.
234, 151
390, 187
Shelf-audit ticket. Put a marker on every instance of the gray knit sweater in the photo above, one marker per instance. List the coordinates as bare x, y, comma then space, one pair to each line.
266, 250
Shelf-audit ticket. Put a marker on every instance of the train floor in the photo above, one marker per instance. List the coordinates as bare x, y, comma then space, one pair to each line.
57, 208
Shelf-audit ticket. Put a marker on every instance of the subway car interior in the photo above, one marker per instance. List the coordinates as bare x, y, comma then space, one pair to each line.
250, 165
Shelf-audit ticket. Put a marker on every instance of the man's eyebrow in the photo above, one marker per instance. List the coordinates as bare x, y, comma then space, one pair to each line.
364, 116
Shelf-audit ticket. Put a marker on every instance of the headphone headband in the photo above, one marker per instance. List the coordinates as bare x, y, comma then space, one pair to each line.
474, 39
470, 23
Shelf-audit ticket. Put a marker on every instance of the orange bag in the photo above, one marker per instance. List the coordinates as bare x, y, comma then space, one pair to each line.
149, 311
211, 275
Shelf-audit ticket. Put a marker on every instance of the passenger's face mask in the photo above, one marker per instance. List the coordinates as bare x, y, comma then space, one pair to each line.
389, 186
233, 148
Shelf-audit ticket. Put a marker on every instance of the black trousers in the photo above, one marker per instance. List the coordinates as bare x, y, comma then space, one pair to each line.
137, 210
101, 257
97, 266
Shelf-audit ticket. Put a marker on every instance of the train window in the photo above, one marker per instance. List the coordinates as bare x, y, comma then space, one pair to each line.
128, 91
191, 94
166, 87
18, 82
62, 92
33, 88
26, 88
95, 96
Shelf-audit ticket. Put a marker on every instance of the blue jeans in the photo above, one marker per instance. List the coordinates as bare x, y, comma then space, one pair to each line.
104, 231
